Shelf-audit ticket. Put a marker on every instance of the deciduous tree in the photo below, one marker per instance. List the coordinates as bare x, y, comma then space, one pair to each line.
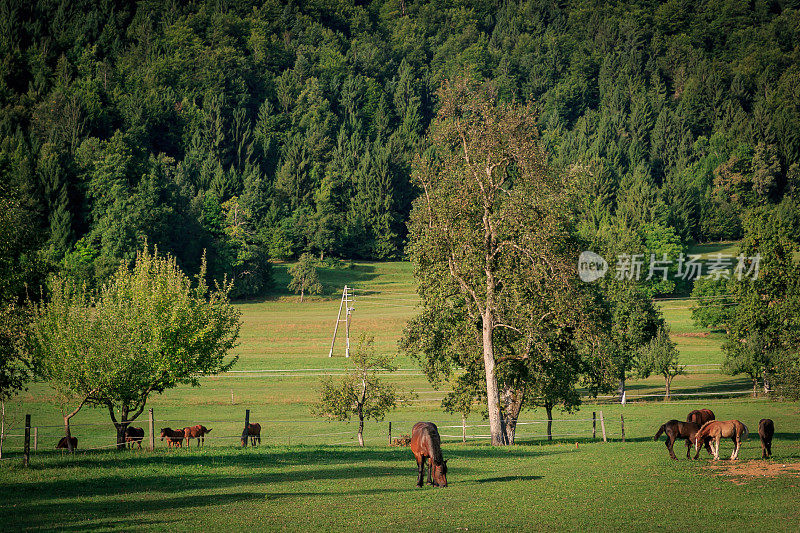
488, 233
660, 356
148, 330
361, 392
304, 277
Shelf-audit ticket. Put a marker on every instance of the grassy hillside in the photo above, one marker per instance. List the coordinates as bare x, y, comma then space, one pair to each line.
284, 352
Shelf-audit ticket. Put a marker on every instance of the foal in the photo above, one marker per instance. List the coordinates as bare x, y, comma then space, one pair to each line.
766, 429
716, 430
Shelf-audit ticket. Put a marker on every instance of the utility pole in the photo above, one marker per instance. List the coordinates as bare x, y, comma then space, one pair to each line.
347, 299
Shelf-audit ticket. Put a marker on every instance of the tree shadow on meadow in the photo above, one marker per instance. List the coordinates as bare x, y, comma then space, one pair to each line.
333, 280
178, 472
71, 517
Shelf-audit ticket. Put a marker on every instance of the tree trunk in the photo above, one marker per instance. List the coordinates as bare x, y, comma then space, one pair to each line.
512, 402
549, 409
70, 415
302, 292
667, 381
622, 388
765, 382
492, 393
121, 435
68, 433
361, 411
755, 387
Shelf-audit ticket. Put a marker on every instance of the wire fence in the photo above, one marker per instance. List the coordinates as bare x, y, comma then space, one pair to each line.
101, 436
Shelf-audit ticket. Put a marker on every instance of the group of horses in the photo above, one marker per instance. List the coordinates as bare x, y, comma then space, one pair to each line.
701, 429
175, 437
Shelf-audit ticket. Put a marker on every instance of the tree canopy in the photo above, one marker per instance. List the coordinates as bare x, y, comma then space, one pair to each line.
148, 330
122, 121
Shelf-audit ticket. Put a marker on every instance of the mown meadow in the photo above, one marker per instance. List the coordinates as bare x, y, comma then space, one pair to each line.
308, 473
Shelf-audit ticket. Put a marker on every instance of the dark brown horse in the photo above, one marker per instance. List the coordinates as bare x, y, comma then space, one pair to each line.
254, 432
766, 429
426, 444
134, 436
719, 429
174, 436
700, 416
675, 429
62, 444
196, 432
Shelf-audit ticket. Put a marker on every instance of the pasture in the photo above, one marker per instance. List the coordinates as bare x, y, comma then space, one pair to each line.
307, 471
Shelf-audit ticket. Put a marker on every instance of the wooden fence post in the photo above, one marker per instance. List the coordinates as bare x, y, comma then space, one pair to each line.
2, 427
594, 425
603, 426
151, 422
390, 433
463, 428
622, 425
36, 439
26, 459
246, 427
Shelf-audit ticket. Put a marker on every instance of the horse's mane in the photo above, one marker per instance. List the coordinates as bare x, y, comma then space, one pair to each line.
436, 446
703, 431
707, 423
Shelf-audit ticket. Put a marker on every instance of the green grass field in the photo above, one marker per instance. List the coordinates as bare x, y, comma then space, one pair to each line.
309, 474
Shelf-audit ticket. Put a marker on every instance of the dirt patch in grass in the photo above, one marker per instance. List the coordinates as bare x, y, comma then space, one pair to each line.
702, 334
741, 472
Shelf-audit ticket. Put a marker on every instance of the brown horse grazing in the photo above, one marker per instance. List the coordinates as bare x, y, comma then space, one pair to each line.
62, 444
134, 436
426, 444
196, 432
254, 432
766, 429
174, 436
675, 429
700, 416
718, 429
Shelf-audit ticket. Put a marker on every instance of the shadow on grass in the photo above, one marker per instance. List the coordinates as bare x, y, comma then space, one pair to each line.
507, 478
273, 457
333, 280
70, 516
104, 474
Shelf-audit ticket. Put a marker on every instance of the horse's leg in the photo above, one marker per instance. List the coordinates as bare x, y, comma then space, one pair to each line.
669, 442
420, 470
716, 448
430, 469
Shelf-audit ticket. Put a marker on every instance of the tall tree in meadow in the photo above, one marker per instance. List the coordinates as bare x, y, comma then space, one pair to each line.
660, 356
488, 211
304, 277
765, 325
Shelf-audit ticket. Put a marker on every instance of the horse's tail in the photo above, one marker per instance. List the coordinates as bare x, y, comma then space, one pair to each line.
745, 433
660, 431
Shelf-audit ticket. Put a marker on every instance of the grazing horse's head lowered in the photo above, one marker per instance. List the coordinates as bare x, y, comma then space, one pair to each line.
719, 429
426, 444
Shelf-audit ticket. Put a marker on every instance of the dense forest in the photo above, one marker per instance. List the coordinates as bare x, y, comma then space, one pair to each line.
251, 131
